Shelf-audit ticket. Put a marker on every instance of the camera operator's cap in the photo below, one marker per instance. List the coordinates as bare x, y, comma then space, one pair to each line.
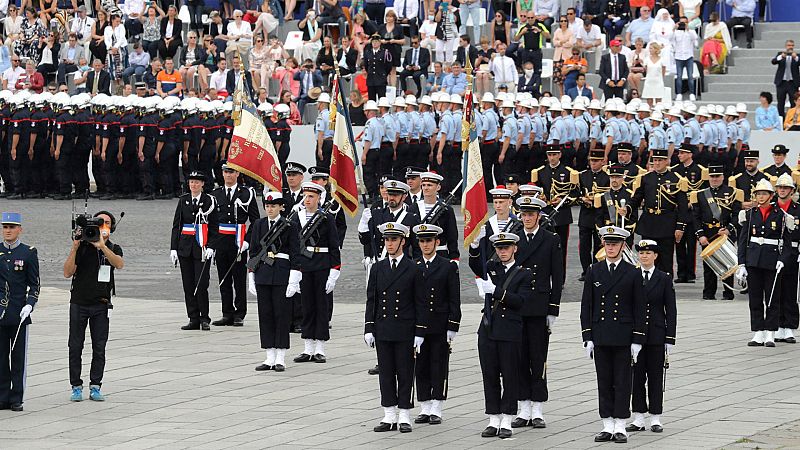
273, 198
741, 108
500, 192
530, 204
197, 175
393, 229
763, 185
425, 230
293, 167
432, 177
502, 86
314, 93
426, 100
614, 234
513, 178
318, 172
310, 186
12, 218
624, 147
375, 37
661, 153
646, 245
530, 189
597, 154
780, 149
785, 180
370, 106
503, 239
616, 171
396, 187
488, 97
688, 148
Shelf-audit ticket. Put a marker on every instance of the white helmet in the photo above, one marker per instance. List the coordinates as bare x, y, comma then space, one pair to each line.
324, 98
631, 109
487, 97
189, 105
656, 116
399, 102
644, 107
282, 110
369, 106
455, 99
227, 107
5, 95
555, 105
265, 108
595, 104
411, 100
741, 108
731, 111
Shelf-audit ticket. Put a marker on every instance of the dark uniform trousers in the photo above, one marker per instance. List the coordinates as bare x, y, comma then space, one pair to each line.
563, 234
759, 288
227, 257
315, 305
195, 273
588, 246
788, 305
533, 372
499, 360
385, 159
96, 316
274, 313
432, 367
685, 254
396, 360
451, 167
12, 379
649, 367
613, 366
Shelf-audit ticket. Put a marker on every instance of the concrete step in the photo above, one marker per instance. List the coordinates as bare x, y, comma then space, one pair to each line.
777, 26
753, 68
775, 35
713, 80
728, 97
766, 44
737, 89
762, 62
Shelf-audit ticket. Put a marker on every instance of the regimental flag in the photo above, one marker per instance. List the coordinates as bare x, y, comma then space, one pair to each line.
473, 201
251, 151
343, 160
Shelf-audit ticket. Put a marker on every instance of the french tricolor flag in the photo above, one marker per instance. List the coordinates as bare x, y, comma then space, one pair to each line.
241, 229
201, 234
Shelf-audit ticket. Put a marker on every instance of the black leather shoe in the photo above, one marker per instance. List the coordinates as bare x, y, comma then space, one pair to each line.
374, 370
603, 436
15, 197
769, 344
191, 326
754, 344
435, 420
422, 418
16, 407
4, 406
504, 433
706, 297
297, 329
302, 357
681, 280
263, 367
620, 438
205, 326
489, 432
582, 277
319, 358
237, 322
790, 340
631, 428
657, 429
519, 422
224, 322
780, 340
405, 427
538, 423
279, 368
383, 427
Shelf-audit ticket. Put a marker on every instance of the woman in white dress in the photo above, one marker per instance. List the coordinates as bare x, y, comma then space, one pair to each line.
654, 75
661, 32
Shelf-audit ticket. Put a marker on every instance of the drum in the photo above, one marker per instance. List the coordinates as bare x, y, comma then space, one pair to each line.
720, 256
628, 255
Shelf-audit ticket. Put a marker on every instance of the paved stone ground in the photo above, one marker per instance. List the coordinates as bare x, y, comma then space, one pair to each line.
177, 389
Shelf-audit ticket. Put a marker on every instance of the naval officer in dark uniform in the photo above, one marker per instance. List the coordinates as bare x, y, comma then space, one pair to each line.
539, 251
19, 292
613, 324
506, 289
194, 237
395, 323
237, 205
788, 319
269, 276
292, 196
433, 209
660, 321
442, 297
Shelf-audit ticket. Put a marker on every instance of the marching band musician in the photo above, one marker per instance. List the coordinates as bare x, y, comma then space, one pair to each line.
609, 202
662, 196
592, 182
764, 249
538, 250
446, 220
270, 282
236, 206
613, 334
747, 180
779, 167
625, 160
394, 323
660, 323
696, 177
442, 297
714, 210
316, 271
788, 319
194, 238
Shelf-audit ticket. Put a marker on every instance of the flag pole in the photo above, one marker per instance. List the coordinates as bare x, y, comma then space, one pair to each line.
356, 158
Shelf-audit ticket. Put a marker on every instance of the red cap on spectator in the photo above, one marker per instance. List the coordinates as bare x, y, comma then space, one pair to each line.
615, 42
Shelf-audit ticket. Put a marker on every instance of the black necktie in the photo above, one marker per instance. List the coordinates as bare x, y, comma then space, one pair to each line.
195, 201
394, 264
646, 276
230, 194
530, 237
271, 224
611, 268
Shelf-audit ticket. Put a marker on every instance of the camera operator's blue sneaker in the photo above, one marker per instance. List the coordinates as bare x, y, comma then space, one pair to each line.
77, 394
94, 394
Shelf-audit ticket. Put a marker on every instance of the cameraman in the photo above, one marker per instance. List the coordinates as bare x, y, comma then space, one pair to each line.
309, 79
91, 266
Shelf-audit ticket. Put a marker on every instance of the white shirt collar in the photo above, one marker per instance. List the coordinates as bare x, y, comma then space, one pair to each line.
429, 260
509, 265
197, 198
397, 258
616, 263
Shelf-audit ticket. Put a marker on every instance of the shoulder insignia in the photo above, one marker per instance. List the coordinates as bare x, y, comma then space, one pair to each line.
703, 173
683, 184
732, 180
693, 197
574, 176
738, 195
598, 200
637, 182
535, 175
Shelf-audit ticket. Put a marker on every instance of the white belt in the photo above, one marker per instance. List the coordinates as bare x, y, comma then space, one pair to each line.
764, 241
317, 249
278, 255
794, 244
441, 248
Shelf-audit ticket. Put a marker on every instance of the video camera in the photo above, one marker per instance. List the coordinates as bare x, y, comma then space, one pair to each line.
88, 228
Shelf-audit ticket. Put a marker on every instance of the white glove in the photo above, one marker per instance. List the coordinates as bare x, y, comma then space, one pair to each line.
363, 224
798, 258
477, 241
418, 340
551, 320
245, 246
209, 253
451, 336
668, 348
635, 349
369, 338
366, 262
295, 276
779, 266
488, 286
251, 283
173, 256
292, 289
26, 311
331, 283
741, 273
479, 283
589, 347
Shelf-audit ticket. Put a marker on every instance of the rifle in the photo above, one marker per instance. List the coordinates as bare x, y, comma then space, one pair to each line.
310, 228
440, 206
546, 223
267, 241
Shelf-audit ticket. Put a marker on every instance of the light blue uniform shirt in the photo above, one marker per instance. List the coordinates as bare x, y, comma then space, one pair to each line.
708, 134
538, 127
581, 130
490, 123
733, 131
612, 131
373, 133
624, 131
569, 126
323, 124
691, 131
428, 125
722, 134
675, 133
456, 118
389, 128
635, 132
558, 131
524, 126
415, 124
596, 129
658, 139
480, 122
445, 126
744, 130
510, 129
402, 122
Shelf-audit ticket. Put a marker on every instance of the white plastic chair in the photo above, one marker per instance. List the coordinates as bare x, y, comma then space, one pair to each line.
547, 72
482, 19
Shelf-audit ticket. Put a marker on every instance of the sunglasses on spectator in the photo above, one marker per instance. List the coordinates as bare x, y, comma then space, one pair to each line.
562, 21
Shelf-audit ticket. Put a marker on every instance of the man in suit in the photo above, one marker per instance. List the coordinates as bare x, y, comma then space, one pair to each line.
539, 251
396, 333
68, 58
416, 65
613, 71
660, 322
309, 78
507, 287
440, 290
98, 81
529, 81
613, 325
465, 48
580, 89
787, 75
232, 78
